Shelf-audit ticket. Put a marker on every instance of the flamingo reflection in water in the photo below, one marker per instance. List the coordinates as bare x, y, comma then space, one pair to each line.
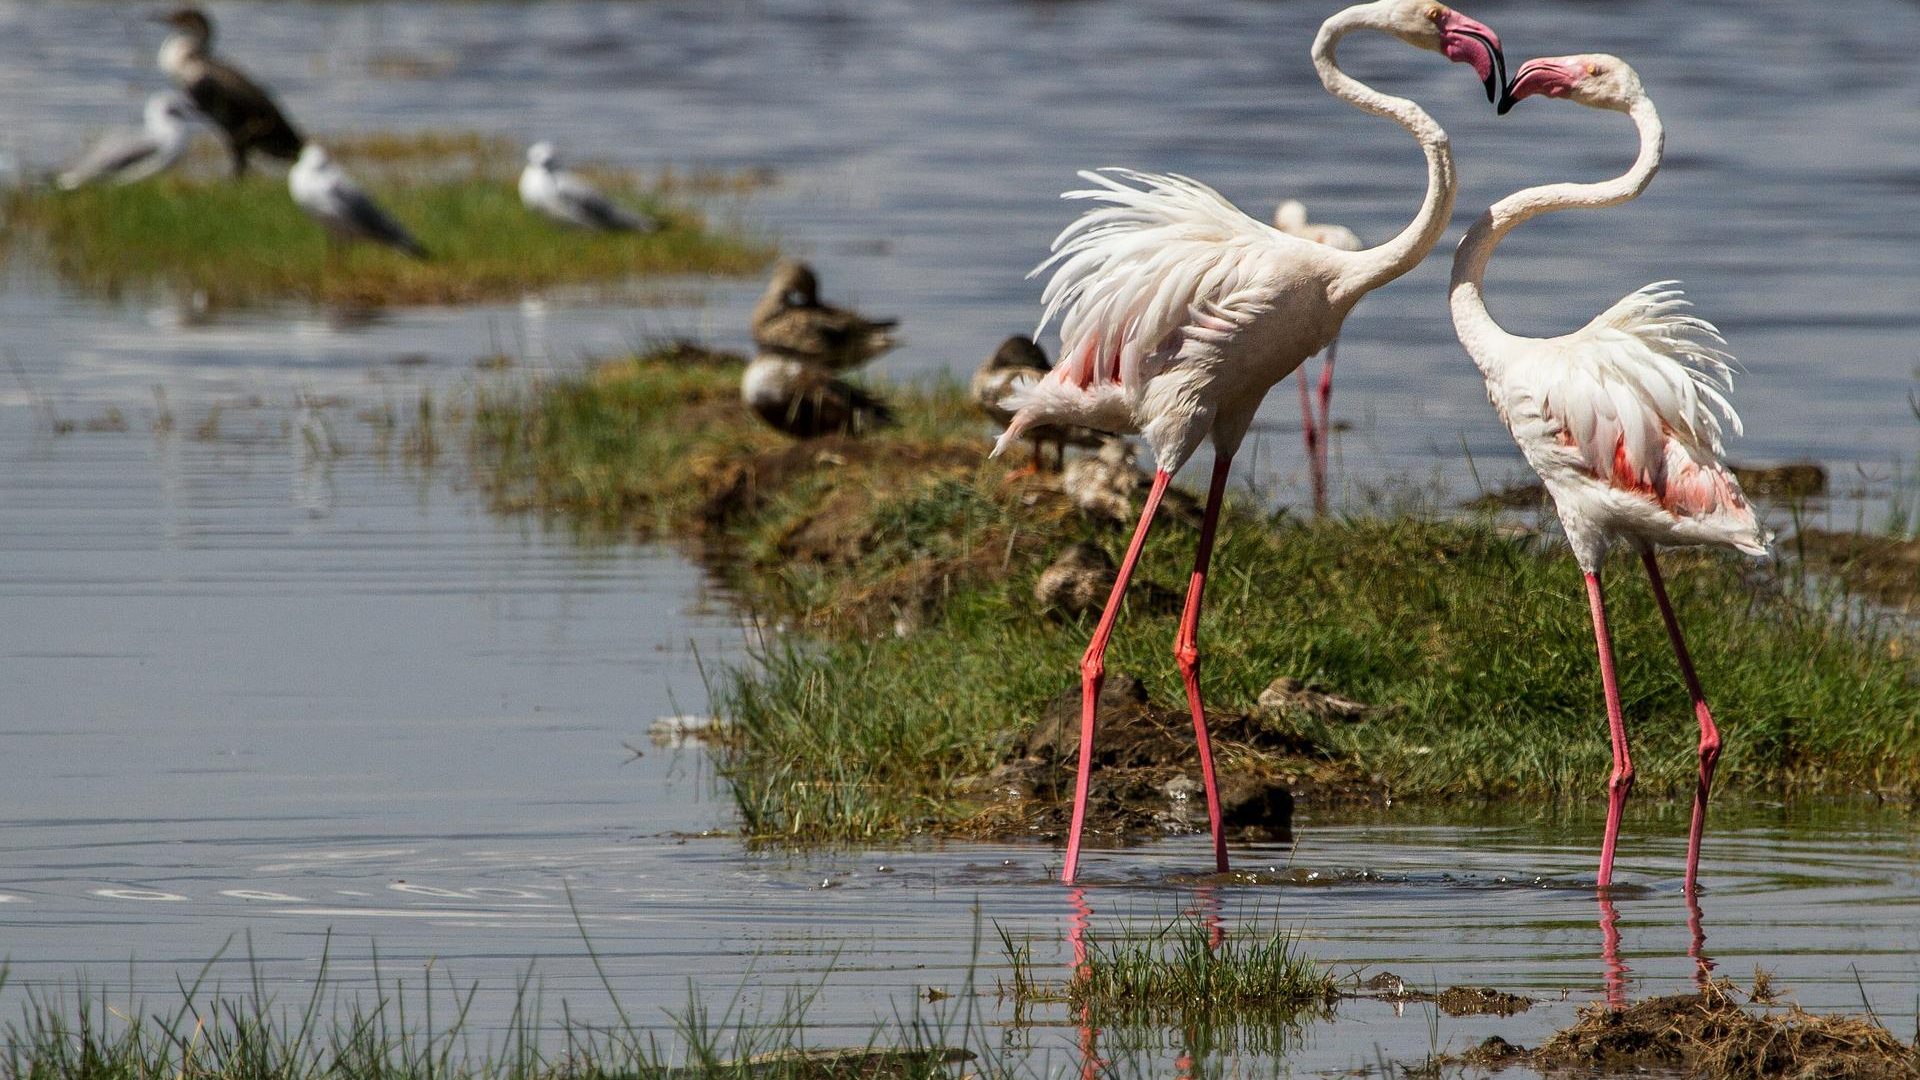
1206, 910
1614, 972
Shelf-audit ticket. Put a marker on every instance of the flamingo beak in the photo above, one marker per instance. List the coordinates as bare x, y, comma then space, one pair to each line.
1549, 76
1473, 42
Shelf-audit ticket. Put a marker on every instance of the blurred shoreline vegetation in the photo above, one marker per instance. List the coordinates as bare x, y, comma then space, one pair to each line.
901, 568
227, 243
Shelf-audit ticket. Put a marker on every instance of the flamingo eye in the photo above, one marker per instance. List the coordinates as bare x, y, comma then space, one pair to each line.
1436, 13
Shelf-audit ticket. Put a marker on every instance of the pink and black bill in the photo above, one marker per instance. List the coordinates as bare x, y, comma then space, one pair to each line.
1552, 77
1469, 41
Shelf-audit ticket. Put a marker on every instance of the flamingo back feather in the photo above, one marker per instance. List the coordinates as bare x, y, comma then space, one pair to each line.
1638, 396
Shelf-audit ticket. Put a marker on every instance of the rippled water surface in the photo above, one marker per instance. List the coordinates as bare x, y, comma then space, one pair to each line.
326, 703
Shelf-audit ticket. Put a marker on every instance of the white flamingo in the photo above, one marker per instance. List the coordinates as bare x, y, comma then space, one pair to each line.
1622, 417
1178, 313
1290, 217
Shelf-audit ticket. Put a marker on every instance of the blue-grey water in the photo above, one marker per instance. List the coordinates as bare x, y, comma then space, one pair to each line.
257, 687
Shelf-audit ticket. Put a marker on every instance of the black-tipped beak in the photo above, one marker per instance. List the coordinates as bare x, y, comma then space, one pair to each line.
1496, 80
1506, 101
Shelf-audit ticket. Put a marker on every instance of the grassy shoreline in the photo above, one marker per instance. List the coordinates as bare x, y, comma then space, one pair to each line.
906, 563
245, 242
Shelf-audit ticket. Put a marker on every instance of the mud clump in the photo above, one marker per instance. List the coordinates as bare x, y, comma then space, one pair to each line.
1709, 1034
1146, 773
1454, 1000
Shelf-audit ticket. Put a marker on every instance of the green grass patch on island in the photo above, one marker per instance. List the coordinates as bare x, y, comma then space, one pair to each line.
907, 563
246, 242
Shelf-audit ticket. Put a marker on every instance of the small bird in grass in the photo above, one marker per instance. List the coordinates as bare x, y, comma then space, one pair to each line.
244, 112
330, 197
1015, 364
1290, 217
791, 321
807, 401
127, 156
547, 188
1622, 417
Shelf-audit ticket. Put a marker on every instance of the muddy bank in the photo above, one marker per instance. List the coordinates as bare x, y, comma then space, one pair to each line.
1711, 1035
1886, 568
1146, 778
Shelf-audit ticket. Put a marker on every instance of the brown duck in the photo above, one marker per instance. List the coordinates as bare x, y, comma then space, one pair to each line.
791, 321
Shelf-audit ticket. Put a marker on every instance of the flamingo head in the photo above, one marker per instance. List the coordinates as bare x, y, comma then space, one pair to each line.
794, 283
1436, 27
1596, 80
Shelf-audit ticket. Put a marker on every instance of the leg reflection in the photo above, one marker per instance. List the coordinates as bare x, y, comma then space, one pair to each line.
1613, 971
1082, 913
1703, 964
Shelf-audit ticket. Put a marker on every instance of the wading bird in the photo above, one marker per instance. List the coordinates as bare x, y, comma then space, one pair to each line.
1290, 217
807, 401
244, 113
127, 156
1622, 417
330, 197
547, 188
1178, 313
1017, 362
791, 321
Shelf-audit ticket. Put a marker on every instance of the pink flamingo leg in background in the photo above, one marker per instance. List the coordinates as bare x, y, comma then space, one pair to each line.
1621, 780
1709, 735
1093, 670
1186, 653
1310, 430
1326, 415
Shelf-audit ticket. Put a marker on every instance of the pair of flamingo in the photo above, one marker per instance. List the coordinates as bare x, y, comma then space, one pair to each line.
1178, 313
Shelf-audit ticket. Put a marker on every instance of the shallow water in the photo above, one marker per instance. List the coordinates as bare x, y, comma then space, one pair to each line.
326, 702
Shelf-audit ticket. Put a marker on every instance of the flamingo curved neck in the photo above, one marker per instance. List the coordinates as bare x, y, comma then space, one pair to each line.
1471, 320
1374, 267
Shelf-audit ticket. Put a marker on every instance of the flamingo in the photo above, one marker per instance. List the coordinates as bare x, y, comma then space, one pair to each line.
1290, 217
1178, 313
1621, 418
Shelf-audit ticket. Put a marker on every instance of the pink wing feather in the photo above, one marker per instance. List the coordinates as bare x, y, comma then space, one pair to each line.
1637, 395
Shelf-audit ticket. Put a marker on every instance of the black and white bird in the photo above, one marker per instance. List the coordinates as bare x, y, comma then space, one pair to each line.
566, 197
1015, 365
126, 156
806, 400
791, 321
329, 196
244, 112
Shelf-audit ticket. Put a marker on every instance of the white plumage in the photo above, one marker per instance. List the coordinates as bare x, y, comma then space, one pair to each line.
564, 196
127, 156
1178, 313
1622, 419
321, 188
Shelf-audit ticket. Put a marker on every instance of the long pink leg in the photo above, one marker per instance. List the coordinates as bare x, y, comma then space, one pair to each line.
1186, 653
1326, 410
1709, 735
1621, 780
1310, 428
1093, 669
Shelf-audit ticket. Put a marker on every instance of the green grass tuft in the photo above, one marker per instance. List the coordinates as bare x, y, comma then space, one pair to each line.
909, 562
